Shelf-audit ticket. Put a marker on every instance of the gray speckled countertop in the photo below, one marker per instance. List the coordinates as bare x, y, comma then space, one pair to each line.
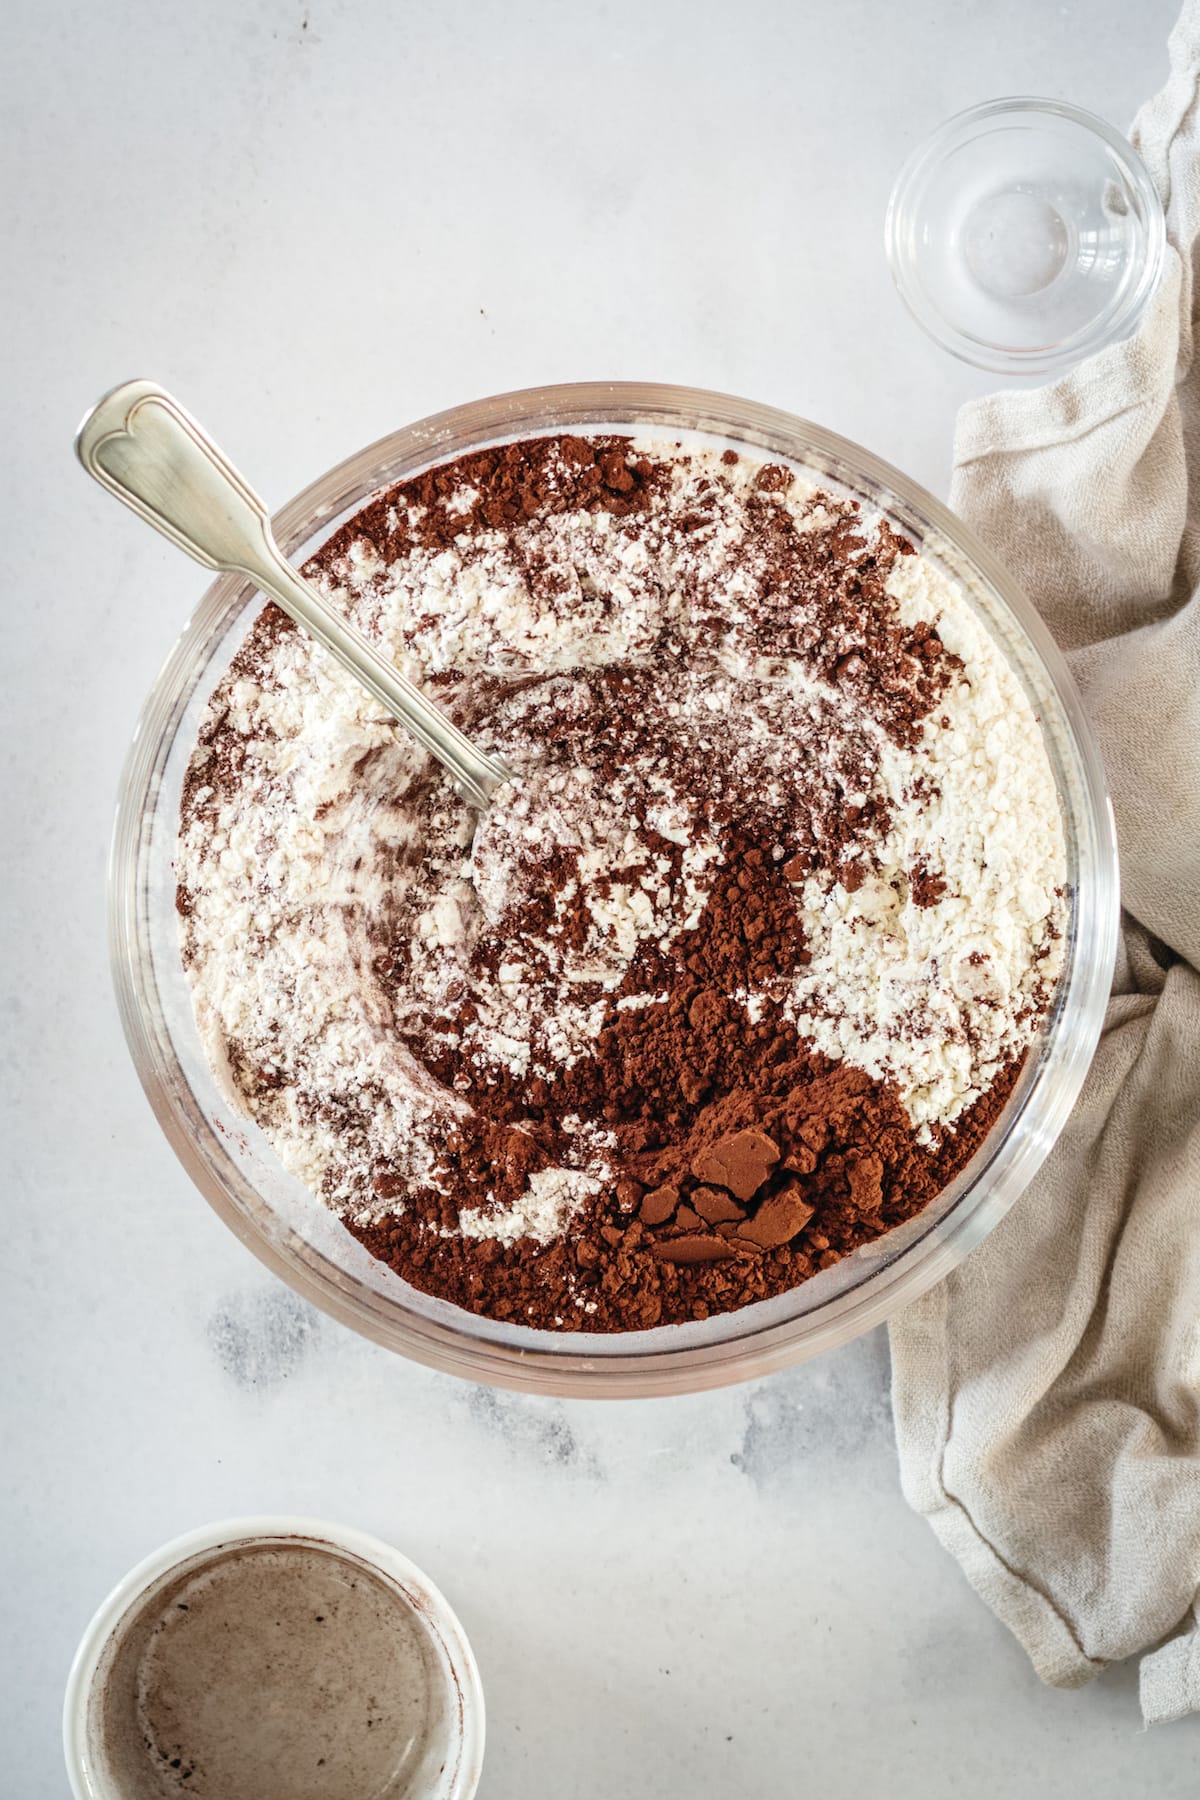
315, 223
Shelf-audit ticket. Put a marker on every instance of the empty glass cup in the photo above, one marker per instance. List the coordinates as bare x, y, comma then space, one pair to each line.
1025, 234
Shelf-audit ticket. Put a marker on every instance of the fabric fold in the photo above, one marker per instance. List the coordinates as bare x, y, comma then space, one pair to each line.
1047, 1395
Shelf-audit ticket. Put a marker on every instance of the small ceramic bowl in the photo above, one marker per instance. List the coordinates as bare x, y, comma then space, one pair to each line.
363, 1688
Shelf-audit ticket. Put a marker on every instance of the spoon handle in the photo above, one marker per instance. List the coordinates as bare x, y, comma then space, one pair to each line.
141, 445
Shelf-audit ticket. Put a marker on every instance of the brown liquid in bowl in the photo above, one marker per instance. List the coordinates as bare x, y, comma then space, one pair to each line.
277, 1671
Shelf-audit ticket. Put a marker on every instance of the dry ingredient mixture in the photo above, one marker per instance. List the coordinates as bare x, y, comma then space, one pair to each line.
733, 978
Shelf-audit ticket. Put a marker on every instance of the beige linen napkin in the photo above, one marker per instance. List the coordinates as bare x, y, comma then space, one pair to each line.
1047, 1395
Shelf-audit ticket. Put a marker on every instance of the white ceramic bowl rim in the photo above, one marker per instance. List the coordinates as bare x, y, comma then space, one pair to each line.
466, 1723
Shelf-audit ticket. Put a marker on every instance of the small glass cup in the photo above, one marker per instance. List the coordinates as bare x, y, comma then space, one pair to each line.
1024, 235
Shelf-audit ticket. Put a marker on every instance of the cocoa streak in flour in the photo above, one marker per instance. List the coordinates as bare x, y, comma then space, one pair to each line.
744, 1161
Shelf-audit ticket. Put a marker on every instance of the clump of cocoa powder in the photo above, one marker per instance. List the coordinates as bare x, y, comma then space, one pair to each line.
536, 478
743, 1161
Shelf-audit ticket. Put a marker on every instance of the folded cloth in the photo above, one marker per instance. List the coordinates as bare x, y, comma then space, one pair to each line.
1047, 1395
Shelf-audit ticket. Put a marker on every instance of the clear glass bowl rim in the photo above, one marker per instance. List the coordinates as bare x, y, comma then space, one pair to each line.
1107, 327
1014, 1150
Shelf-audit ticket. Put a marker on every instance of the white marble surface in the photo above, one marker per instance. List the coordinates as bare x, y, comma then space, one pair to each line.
316, 223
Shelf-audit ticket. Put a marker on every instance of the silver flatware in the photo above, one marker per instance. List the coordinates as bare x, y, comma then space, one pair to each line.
140, 444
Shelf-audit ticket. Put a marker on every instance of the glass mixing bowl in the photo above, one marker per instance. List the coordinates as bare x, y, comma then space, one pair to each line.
231, 1161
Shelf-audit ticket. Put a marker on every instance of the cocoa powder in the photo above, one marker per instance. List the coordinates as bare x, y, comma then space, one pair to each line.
741, 1160
744, 1161
537, 478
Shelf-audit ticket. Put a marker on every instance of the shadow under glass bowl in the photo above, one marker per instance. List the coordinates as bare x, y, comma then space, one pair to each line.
231, 1161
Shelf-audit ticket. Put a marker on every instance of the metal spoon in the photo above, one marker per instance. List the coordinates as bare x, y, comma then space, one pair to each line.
141, 445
